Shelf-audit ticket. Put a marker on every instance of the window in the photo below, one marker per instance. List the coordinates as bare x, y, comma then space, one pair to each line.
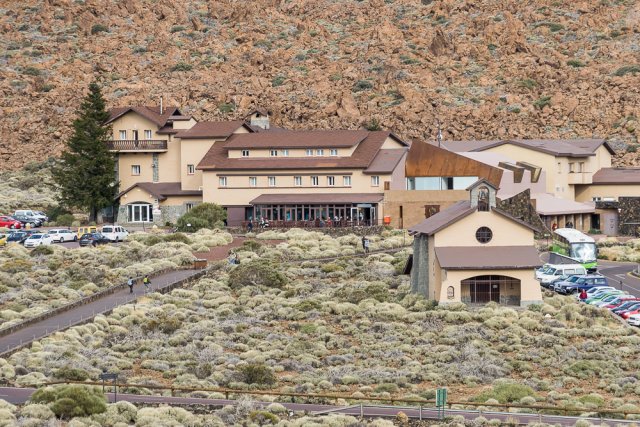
191, 169
135, 169
346, 181
484, 234
140, 212
253, 181
222, 181
596, 199
331, 181
319, 152
581, 167
297, 181
272, 181
572, 167
284, 153
375, 181
483, 199
188, 206
274, 153
559, 167
309, 152
315, 181
245, 153
147, 134
123, 135
334, 152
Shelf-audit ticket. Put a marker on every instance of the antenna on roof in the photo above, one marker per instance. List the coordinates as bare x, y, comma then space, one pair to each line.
439, 136
161, 109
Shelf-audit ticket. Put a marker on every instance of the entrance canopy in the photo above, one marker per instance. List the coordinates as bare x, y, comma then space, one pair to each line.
317, 198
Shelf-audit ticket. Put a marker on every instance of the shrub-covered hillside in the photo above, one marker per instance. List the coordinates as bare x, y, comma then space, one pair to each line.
347, 326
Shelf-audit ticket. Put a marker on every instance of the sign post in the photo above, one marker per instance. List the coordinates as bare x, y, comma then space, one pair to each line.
441, 402
113, 377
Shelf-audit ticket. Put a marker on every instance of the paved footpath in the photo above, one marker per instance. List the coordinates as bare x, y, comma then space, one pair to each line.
87, 311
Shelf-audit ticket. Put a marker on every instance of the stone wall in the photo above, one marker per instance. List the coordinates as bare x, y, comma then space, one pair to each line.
168, 214
519, 206
629, 219
420, 267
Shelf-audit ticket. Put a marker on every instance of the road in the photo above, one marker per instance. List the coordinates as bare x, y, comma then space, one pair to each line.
16, 395
619, 277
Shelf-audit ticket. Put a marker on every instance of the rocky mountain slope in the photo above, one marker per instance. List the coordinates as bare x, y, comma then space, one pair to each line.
484, 68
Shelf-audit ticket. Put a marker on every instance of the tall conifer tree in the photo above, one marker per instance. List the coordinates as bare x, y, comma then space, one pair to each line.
85, 175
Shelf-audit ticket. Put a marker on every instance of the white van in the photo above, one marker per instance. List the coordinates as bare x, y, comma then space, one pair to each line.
552, 272
115, 233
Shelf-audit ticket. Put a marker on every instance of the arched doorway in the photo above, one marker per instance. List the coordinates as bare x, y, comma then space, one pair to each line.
483, 289
139, 212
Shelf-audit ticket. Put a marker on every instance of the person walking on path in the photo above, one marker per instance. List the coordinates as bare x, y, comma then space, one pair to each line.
130, 284
364, 248
146, 281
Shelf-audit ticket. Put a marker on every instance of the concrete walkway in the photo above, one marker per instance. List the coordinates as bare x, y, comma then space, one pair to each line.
83, 313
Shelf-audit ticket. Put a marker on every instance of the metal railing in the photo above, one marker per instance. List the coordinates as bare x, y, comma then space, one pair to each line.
550, 410
136, 144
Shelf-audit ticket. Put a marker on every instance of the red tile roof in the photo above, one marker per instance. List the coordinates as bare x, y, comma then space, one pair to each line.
488, 257
299, 139
217, 158
162, 190
317, 198
151, 113
617, 176
211, 130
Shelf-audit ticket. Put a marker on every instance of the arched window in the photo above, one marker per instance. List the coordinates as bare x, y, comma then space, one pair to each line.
483, 199
451, 292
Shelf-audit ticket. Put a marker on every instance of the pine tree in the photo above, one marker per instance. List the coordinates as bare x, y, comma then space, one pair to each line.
85, 175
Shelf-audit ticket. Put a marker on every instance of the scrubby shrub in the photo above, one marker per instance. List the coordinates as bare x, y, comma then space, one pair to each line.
70, 401
257, 273
506, 392
99, 28
65, 220
204, 215
71, 374
259, 374
182, 66
41, 250
264, 417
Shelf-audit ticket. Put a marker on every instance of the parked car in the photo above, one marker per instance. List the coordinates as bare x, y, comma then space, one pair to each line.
584, 282
28, 220
630, 312
41, 215
9, 222
556, 285
93, 239
61, 235
86, 229
38, 239
19, 236
627, 306
602, 295
621, 300
610, 299
31, 215
553, 272
115, 233
634, 320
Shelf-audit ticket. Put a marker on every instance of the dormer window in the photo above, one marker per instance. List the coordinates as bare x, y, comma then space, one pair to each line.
245, 153
319, 152
309, 152
274, 153
285, 153
333, 152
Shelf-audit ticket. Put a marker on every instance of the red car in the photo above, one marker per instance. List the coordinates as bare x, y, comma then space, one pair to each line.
8, 222
627, 314
618, 302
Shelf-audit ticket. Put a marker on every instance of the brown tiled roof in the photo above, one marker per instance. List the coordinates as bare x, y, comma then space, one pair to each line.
386, 161
298, 139
487, 257
555, 147
317, 198
151, 113
162, 190
443, 219
211, 130
217, 157
617, 176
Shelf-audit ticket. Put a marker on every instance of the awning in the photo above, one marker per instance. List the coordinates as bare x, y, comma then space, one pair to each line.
488, 257
546, 204
316, 198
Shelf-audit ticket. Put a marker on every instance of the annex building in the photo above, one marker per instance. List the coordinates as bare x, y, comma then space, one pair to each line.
474, 252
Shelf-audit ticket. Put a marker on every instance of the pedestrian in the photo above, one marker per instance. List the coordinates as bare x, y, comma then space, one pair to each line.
146, 281
250, 226
236, 259
583, 295
130, 284
364, 248
232, 258
366, 245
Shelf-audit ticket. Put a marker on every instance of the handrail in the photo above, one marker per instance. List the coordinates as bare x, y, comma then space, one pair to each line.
137, 144
228, 391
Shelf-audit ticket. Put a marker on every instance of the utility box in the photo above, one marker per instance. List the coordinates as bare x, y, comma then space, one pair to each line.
199, 264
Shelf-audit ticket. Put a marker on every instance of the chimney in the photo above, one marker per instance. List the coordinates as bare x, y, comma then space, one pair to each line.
161, 109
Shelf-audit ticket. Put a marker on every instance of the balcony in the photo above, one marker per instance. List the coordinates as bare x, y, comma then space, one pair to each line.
137, 145
580, 178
